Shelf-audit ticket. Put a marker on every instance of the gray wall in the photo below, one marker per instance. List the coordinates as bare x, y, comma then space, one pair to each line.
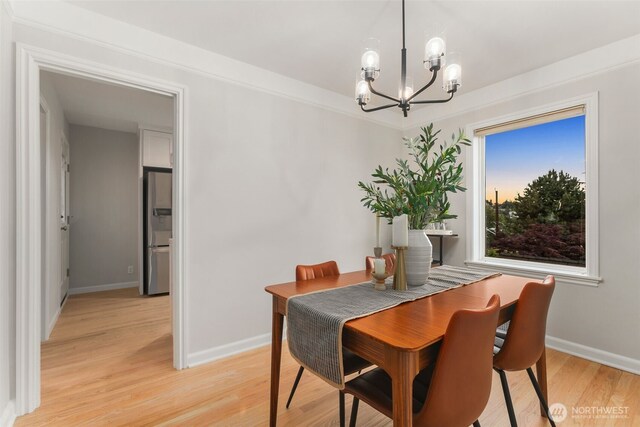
7, 213
104, 206
606, 317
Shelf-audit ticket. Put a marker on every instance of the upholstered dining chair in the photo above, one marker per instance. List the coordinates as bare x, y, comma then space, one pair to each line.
522, 345
351, 362
389, 260
454, 391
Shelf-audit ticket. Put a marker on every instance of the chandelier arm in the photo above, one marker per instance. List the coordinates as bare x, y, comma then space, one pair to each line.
377, 108
434, 101
433, 79
381, 94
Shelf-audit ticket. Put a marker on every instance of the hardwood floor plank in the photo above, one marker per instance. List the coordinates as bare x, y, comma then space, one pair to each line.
109, 363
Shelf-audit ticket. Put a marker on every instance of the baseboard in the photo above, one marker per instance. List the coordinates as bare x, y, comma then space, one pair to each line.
52, 323
100, 288
54, 320
220, 352
595, 355
8, 416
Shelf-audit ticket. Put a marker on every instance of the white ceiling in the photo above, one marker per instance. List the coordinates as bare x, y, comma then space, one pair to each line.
92, 103
320, 42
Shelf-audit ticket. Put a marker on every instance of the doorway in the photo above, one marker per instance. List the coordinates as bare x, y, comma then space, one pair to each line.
54, 222
65, 160
30, 188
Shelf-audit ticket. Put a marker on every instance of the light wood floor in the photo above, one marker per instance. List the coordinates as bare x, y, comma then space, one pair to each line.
108, 362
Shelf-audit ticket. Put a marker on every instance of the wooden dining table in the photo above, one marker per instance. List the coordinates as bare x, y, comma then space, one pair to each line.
402, 340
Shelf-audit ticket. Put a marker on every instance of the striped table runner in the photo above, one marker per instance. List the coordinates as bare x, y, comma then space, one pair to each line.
315, 321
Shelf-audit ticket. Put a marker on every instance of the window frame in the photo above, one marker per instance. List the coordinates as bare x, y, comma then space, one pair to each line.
475, 171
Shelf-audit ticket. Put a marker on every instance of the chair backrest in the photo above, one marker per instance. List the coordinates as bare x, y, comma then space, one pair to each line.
524, 343
461, 381
308, 272
389, 260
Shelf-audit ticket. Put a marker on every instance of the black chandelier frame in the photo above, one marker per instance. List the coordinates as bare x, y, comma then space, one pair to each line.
405, 104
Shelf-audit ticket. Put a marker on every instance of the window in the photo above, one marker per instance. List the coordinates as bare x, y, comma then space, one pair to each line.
534, 191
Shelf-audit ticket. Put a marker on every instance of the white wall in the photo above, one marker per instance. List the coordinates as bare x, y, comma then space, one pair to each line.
270, 183
7, 220
604, 318
53, 272
104, 205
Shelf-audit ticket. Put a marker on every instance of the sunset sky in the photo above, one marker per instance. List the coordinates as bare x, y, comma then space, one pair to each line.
517, 157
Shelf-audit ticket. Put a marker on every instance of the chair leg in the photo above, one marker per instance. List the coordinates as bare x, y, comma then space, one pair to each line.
536, 386
476, 423
507, 397
354, 412
295, 385
341, 406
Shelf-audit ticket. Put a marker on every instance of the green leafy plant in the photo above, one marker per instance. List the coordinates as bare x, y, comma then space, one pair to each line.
418, 188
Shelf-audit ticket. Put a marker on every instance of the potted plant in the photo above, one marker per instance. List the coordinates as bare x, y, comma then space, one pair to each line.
418, 187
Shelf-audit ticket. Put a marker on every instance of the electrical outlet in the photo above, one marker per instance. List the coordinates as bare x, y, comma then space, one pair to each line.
130, 269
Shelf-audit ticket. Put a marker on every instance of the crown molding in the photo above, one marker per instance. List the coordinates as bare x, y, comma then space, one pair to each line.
596, 61
81, 24
7, 7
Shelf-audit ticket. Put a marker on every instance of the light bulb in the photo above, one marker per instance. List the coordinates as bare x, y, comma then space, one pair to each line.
408, 89
363, 94
362, 88
452, 72
434, 51
434, 48
370, 60
452, 76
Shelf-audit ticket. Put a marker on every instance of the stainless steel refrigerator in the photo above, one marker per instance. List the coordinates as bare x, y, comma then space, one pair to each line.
157, 226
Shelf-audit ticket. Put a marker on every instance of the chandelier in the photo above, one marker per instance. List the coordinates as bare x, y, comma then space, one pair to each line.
434, 60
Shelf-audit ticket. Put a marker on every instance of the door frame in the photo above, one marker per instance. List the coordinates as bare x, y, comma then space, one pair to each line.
29, 62
45, 330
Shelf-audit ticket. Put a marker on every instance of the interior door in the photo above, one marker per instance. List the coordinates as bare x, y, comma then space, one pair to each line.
64, 218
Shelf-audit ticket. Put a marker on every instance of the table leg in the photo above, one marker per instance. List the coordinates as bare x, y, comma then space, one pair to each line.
403, 371
276, 356
541, 374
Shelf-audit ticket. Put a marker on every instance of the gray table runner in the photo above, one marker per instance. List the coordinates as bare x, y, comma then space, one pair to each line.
315, 320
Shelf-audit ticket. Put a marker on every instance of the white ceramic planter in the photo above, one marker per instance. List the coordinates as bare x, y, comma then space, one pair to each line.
418, 258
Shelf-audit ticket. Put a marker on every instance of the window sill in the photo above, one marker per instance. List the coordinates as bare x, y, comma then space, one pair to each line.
537, 272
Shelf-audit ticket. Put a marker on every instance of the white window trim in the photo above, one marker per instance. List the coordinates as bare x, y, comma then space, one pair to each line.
474, 163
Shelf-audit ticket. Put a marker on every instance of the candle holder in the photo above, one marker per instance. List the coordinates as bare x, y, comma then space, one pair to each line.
379, 283
400, 275
377, 251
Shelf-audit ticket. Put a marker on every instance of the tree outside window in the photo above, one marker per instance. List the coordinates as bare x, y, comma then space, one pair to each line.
535, 193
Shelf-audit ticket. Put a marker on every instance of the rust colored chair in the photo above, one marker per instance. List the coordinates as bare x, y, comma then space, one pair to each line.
523, 343
454, 391
351, 362
316, 271
389, 260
